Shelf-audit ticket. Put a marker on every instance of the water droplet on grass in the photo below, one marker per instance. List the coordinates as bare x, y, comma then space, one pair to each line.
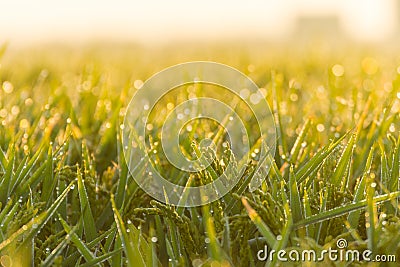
320, 128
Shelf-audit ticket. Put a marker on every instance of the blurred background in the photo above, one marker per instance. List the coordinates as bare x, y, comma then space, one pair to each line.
152, 22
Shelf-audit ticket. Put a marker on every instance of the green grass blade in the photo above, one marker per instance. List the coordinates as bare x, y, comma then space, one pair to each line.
26, 169
35, 225
333, 213
80, 245
20, 169
394, 178
213, 246
283, 239
344, 162
6, 181
122, 181
116, 259
294, 153
310, 229
74, 256
295, 203
88, 221
371, 215
9, 215
57, 250
384, 169
354, 216
5, 210
48, 181
315, 162
132, 251
31, 182
3, 160
261, 226
101, 258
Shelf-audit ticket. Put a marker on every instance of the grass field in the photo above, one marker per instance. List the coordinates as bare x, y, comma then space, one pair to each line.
68, 199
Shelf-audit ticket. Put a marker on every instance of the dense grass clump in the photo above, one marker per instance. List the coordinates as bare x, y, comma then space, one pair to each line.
68, 199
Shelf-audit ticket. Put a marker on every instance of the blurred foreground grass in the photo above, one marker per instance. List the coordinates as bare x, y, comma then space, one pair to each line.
67, 198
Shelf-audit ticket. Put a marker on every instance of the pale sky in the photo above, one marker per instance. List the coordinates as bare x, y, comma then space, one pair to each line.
148, 21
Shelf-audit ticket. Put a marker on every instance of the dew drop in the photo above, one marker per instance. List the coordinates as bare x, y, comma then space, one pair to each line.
338, 70
138, 84
320, 128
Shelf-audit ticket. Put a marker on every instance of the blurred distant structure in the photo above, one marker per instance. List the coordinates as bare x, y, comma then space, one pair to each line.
367, 20
155, 21
398, 17
322, 27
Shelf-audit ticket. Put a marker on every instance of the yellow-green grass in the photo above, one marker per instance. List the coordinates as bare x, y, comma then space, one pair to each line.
67, 197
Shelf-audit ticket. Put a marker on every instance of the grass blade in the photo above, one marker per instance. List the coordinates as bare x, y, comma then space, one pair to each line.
354, 216
101, 258
294, 153
313, 164
333, 213
344, 162
6, 181
35, 225
371, 217
80, 245
295, 203
261, 226
57, 250
132, 251
88, 221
